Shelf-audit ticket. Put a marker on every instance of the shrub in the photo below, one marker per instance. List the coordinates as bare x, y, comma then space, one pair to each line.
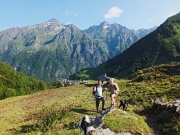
58, 84
169, 123
49, 117
141, 78
8, 92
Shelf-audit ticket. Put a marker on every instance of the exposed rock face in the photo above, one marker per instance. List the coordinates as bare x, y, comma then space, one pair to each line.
174, 107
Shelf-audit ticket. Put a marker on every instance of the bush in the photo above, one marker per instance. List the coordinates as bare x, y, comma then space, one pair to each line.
58, 84
49, 117
8, 92
169, 123
141, 78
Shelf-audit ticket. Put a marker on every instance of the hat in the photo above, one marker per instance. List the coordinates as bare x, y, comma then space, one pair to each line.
91, 128
112, 79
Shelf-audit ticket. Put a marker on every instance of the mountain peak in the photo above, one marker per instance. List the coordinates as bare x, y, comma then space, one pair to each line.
52, 25
52, 21
104, 24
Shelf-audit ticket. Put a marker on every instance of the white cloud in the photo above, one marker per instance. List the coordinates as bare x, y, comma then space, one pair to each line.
113, 13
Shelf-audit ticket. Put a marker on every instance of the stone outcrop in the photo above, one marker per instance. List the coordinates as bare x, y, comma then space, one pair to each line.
159, 105
174, 107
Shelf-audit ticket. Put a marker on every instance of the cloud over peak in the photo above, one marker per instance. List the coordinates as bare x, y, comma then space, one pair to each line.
113, 12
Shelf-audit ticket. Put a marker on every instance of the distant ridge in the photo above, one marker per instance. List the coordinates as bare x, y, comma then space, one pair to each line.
159, 47
51, 51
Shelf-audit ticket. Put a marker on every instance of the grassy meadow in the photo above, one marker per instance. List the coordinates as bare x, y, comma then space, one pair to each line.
56, 111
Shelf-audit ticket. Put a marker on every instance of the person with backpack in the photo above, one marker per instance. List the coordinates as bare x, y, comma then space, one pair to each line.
113, 89
98, 93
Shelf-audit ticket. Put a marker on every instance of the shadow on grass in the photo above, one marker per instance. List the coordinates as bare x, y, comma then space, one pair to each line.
89, 85
163, 122
27, 128
151, 118
82, 110
24, 129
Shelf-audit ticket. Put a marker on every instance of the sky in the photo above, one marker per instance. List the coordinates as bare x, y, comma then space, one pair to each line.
133, 14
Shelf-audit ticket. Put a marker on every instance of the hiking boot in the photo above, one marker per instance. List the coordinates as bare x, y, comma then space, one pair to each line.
112, 106
97, 110
103, 110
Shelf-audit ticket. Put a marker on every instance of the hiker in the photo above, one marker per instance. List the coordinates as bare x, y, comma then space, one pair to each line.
113, 89
98, 90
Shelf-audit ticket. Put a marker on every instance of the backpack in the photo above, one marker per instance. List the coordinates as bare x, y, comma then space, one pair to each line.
93, 92
116, 87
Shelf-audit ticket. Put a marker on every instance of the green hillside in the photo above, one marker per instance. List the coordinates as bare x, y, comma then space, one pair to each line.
56, 111
159, 47
13, 83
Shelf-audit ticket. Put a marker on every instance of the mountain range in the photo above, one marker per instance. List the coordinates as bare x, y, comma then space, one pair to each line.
52, 50
158, 47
